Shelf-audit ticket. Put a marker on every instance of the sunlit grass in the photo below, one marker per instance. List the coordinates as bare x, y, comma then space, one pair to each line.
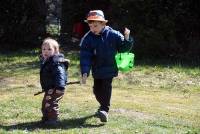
150, 99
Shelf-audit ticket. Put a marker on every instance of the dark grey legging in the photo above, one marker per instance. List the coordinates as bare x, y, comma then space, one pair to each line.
102, 90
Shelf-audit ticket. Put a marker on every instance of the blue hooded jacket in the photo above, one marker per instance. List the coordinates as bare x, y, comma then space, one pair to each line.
53, 72
98, 52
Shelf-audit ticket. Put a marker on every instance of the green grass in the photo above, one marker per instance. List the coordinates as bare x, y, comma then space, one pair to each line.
152, 99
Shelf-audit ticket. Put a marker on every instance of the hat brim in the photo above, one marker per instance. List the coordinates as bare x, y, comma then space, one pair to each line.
96, 20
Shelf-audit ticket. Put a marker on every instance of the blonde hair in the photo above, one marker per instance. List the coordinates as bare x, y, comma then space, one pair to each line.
53, 43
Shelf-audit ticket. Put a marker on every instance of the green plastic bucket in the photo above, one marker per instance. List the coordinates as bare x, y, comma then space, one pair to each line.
125, 61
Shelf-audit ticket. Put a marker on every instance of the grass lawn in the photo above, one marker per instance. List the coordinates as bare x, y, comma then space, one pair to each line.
152, 99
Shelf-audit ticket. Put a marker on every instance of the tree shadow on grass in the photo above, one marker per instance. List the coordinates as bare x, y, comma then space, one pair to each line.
63, 124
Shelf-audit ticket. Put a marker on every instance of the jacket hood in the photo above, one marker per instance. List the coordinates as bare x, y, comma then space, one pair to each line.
58, 57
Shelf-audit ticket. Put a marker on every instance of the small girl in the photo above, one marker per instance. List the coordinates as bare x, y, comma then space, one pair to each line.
53, 80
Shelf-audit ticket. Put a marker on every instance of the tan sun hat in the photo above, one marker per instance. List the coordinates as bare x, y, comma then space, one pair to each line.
96, 15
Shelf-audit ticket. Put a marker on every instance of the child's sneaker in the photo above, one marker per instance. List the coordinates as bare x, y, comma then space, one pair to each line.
103, 115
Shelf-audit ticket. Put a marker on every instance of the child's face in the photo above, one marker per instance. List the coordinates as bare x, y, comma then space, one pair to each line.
96, 27
47, 51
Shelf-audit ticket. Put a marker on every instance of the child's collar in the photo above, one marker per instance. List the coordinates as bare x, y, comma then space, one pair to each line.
102, 31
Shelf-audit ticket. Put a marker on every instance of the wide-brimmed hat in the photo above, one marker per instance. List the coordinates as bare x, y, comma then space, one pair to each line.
96, 15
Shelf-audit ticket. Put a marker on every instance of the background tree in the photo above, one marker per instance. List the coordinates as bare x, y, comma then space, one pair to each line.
22, 23
162, 28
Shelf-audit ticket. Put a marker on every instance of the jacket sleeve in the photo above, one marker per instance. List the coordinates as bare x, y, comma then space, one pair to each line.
123, 45
86, 53
59, 76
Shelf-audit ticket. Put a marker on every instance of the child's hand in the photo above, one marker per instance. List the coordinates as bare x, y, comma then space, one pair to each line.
126, 33
84, 78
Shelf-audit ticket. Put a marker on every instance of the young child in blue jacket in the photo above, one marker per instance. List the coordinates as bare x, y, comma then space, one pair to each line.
98, 48
53, 80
